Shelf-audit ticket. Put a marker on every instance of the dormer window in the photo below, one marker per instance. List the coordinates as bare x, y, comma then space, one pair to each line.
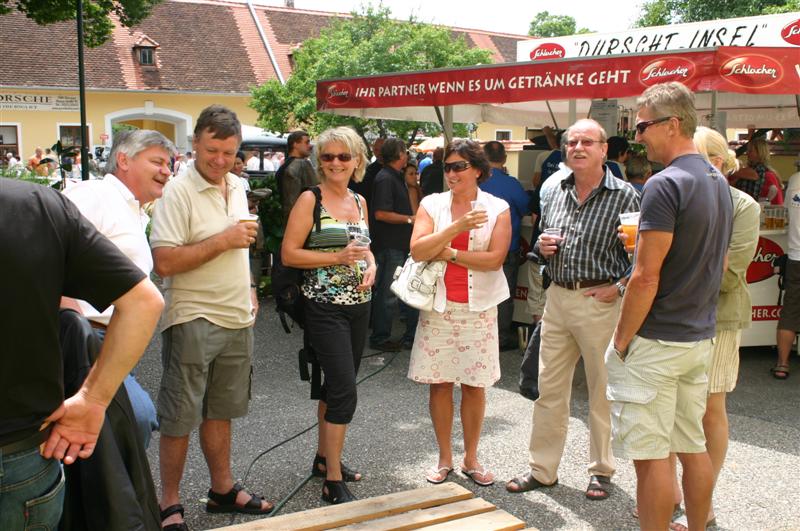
146, 56
144, 50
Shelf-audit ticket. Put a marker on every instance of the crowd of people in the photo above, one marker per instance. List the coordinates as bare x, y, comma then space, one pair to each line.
658, 329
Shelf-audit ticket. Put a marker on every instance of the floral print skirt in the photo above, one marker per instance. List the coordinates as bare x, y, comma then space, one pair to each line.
456, 346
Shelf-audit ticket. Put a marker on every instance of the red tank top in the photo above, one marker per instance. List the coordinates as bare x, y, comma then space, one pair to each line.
456, 278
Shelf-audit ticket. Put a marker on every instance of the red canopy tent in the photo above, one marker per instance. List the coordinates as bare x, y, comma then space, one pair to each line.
752, 85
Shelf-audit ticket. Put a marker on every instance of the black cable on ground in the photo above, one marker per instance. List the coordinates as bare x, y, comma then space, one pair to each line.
296, 489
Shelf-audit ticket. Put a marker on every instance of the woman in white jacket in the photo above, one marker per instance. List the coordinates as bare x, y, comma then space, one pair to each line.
457, 343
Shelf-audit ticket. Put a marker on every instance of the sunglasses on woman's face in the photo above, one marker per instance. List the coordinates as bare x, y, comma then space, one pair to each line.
330, 157
457, 167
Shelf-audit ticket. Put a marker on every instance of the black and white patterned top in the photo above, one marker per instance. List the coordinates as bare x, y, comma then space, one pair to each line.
591, 249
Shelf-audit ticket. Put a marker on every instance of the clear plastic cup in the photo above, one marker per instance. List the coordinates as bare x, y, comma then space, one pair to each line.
478, 205
360, 240
555, 233
630, 225
248, 218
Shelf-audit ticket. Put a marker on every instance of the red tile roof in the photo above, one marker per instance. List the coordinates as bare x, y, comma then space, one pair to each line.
202, 46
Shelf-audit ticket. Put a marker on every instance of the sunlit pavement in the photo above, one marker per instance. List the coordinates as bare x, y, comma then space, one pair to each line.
391, 441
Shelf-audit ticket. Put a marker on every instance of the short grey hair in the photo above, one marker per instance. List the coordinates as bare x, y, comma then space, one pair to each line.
133, 142
671, 99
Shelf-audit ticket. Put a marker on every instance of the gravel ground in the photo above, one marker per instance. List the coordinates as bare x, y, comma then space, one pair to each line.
391, 441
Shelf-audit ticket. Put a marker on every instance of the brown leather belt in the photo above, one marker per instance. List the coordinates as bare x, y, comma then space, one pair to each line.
583, 284
27, 443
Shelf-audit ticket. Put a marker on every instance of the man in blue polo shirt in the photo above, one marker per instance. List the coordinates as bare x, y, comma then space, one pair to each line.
501, 184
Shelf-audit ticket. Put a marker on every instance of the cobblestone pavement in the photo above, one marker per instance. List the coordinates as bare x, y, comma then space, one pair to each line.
391, 440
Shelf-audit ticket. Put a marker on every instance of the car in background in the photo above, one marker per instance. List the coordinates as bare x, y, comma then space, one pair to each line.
264, 146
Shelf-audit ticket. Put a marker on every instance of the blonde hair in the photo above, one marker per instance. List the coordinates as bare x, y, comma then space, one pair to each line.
355, 145
711, 143
760, 146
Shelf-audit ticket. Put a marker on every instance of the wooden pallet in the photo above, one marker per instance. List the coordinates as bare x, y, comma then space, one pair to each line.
445, 507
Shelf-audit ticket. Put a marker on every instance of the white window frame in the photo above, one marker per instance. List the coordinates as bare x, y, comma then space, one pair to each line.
75, 124
502, 131
20, 148
142, 51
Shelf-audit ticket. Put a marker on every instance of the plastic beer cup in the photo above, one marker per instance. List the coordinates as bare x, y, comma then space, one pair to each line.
630, 224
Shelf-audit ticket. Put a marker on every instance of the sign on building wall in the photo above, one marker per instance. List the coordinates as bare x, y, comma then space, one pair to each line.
768, 30
16, 101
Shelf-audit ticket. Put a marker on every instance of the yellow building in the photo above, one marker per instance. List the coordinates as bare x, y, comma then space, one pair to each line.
159, 75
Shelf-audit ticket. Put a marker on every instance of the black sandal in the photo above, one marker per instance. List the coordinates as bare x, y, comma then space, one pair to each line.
226, 503
337, 492
526, 482
601, 484
169, 511
348, 474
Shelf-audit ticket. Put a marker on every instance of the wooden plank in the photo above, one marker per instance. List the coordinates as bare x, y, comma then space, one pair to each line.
494, 521
424, 517
332, 516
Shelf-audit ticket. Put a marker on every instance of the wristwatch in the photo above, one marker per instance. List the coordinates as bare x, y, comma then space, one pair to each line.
620, 288
409, 221
454, 255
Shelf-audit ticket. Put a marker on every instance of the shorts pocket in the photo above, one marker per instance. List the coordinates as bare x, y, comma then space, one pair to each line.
629, 411
44, 512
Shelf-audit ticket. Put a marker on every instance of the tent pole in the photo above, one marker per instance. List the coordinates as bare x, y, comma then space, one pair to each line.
573, 111
713, 120
448, 124
552, 116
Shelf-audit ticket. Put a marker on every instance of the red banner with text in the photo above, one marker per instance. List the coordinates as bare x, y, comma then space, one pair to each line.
729, 69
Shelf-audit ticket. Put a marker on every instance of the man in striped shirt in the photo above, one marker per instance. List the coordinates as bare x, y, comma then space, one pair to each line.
587, 263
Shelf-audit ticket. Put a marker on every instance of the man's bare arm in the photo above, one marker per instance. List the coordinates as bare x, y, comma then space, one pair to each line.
78, 421
170, 261
643, 285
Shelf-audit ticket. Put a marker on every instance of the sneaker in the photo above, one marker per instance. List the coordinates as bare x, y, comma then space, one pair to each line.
387, 346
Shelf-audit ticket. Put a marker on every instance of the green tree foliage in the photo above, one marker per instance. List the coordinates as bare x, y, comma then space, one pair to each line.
546, 25
97, 23
368, 43
663, 12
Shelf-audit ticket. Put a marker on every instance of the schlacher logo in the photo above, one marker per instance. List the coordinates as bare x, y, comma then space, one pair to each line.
761, 266
752, 71
339, 93
669, 69
549, 50
791, 32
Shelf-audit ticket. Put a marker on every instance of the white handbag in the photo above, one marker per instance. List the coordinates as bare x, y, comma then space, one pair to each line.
415, 283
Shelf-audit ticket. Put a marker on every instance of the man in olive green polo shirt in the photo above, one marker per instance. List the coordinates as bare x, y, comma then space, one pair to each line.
200, 249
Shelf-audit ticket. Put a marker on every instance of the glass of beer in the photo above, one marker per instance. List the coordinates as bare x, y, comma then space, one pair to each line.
248, 218
630, 224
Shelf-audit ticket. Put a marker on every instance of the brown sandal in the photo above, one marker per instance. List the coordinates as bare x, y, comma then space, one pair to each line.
780, 372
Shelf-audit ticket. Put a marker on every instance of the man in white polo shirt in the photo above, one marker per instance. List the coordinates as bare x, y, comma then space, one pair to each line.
138, 169
200, 247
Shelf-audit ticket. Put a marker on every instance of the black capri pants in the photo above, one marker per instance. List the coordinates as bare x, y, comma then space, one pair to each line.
337, 334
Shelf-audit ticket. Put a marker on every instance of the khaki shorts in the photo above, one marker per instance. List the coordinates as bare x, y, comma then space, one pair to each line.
658, 397
207, 375
724, 368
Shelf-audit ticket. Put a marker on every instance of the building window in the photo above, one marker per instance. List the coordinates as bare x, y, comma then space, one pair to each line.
146, 56
70, 135
502, 134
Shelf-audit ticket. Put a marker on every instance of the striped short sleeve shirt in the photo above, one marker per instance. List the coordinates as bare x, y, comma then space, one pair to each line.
591, 249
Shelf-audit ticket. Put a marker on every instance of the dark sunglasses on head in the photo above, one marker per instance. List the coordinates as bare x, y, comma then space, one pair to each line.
641, 127
329, 157
457, 167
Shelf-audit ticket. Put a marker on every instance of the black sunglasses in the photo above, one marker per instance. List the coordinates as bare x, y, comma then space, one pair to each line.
330, 157
457, 167
641, 127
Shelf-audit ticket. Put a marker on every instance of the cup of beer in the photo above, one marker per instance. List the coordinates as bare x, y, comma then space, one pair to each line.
248, 218
554, 233
630, 224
